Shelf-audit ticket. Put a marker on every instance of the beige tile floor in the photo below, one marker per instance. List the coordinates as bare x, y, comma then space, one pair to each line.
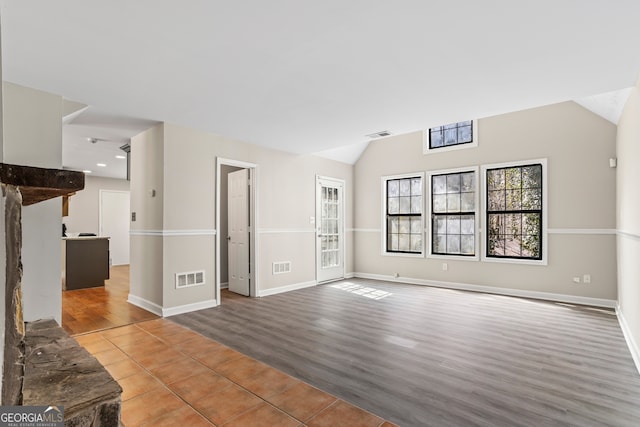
172, 376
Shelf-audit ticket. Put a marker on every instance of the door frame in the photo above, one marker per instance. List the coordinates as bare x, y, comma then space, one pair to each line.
342, 229
253, 215
100, 203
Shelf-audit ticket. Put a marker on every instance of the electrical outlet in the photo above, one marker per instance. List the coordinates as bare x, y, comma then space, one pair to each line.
445, 266
576, 280
586, 278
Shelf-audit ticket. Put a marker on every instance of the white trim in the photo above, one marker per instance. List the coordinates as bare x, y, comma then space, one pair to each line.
383, 221
628, 336
145, 304
287, 288
545, 212
340, 184
628, 234
188, 308
224, 285
254, 237
285, 230
367, 230
476, 212
349, 275
586, 231
166, 233
473, 144
547, 296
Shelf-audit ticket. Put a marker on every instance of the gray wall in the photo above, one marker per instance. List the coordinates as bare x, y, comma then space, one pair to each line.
184, 222
581, 202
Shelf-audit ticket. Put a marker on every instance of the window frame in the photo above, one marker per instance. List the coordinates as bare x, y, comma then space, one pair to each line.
426, 148
477, 214
544, 216
383, 237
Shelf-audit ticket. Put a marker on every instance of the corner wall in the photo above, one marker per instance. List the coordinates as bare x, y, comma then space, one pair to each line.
33, 137
182, 236
628, 222
581, 200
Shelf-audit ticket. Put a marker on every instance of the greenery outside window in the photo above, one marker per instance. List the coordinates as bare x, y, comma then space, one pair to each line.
514, 211
403, 222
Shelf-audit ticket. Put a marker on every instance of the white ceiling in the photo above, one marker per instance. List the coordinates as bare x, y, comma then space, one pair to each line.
315, 76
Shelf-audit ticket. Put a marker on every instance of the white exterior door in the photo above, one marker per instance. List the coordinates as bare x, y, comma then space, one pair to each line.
329, 229
238, 239
114, 223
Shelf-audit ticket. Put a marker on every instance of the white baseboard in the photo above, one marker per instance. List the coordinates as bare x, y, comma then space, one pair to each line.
287, 288
224, 285
572, 299
628, 336
350, 275
188, 308
145, 304
171, 311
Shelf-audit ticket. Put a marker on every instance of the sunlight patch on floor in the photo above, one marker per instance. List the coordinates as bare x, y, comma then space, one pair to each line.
365, 291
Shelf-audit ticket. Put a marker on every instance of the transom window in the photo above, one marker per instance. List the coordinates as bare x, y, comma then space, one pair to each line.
403, 216
453, 213
451, 135
514, 212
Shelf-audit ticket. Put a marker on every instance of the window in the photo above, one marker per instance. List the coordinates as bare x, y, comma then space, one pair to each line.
514, 215
451, 136
453, 213
403, 229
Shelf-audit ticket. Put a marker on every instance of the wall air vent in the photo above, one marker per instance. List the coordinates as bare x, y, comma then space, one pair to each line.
192, 278
380, 134
282, 267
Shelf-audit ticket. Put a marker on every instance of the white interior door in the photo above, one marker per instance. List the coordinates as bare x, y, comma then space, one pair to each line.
238, 239
329, 229
114, 223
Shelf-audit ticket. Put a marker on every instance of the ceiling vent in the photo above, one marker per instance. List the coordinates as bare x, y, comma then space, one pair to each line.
381, 134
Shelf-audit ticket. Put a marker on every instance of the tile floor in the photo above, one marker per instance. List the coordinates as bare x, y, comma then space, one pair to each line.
172, 376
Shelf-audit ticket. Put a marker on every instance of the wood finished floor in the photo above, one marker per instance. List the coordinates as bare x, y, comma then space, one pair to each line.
104, 307
421, 356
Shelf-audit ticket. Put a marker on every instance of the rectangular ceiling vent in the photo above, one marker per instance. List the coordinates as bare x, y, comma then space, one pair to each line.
191, 278
380, 134
282, 267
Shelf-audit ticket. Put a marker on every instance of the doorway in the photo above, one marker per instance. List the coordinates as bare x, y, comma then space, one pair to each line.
329, 229
235, 228
114, 223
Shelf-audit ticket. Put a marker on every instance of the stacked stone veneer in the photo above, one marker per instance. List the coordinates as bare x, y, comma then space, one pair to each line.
42, 364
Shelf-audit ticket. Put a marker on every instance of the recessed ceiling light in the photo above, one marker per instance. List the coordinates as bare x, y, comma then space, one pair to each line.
121, 157
102, 165
86, 171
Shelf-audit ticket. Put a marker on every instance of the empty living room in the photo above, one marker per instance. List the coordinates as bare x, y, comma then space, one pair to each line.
330, 213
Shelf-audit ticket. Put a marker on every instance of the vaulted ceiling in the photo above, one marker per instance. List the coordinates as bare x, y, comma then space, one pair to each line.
308, 76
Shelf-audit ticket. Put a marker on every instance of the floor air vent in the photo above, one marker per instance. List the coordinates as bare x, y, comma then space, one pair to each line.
192, 278
282, 267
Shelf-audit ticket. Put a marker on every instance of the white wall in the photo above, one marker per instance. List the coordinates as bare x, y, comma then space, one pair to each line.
581, 199
84, 206
628, 222
33, 137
